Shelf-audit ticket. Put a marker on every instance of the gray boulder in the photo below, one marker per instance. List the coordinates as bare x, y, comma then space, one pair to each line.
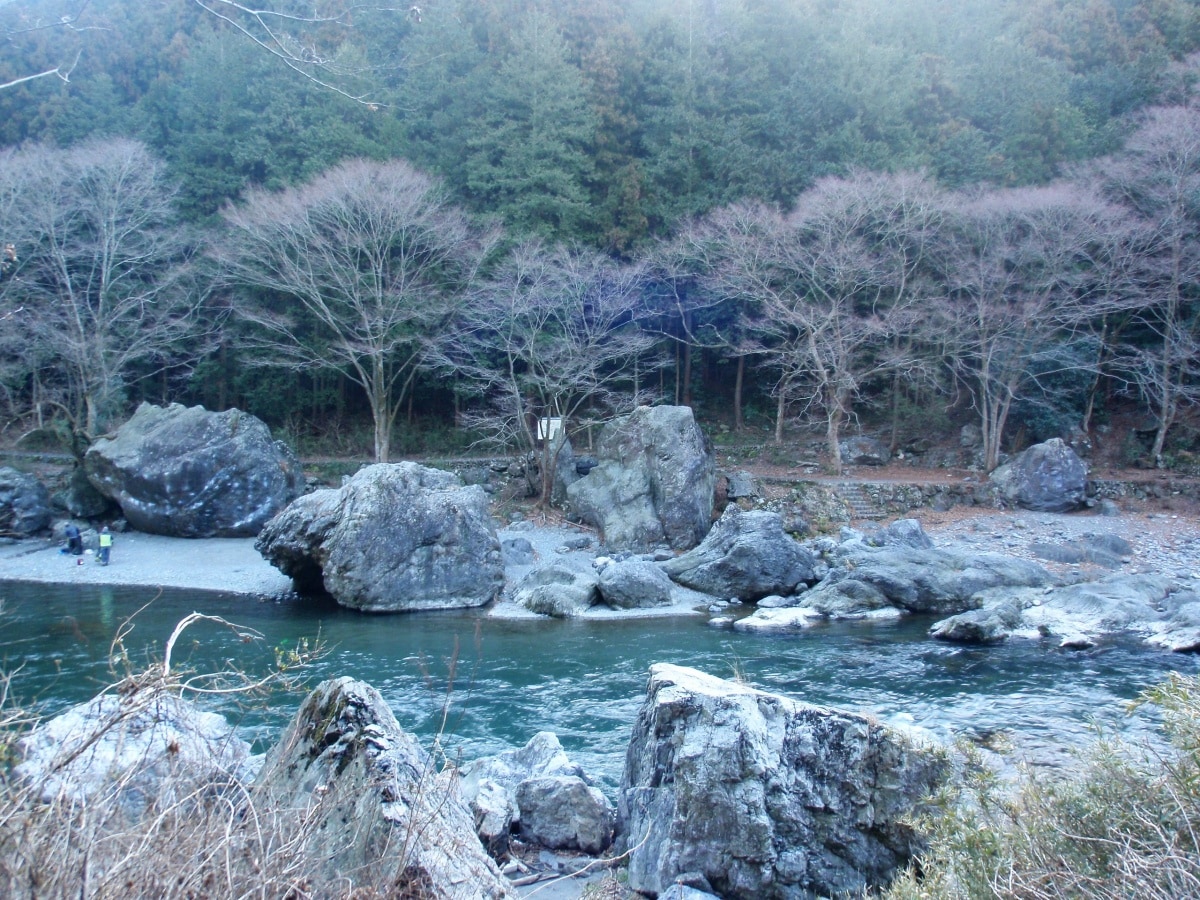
1047, 477
188, 472
653, 482
394, 538
741, 486
563, 812
24, 504
490, 785
634, 584
864, 451
988, 625
134, 749
383, 811
759, 796
746, 555
558, 590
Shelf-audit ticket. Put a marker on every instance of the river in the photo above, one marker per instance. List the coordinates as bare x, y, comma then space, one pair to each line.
487, 685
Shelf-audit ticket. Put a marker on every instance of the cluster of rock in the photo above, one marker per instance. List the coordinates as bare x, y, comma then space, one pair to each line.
730, 791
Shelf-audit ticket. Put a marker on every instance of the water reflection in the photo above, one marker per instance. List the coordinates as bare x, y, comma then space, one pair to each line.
491, 685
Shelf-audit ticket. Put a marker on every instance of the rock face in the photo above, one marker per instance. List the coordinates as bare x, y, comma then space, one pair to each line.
746, 555
137, 746
394, 538
653, 482
24, 504
383, 810
187, 472
750, 795
1047, 477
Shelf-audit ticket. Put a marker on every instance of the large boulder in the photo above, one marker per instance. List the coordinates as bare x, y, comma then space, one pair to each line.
134, 748
746, 555
752, 795
1047, 477
653, 482
393, 538
383, 812
24, 504
187, 472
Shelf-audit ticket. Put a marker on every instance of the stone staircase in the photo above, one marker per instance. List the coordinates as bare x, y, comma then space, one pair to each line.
861, 506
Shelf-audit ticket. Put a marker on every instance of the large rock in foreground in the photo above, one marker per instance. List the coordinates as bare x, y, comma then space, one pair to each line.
187, 472
24, 504
384, 813
653, 483
1047, 477
765, 797
142, 747
394, 538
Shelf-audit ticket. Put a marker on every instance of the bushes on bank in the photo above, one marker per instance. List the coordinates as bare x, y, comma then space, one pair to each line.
1125, 823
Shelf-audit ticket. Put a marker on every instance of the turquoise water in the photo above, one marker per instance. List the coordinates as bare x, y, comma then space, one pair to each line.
489, 685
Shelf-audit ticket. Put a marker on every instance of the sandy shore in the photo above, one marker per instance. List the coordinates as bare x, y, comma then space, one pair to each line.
205, 564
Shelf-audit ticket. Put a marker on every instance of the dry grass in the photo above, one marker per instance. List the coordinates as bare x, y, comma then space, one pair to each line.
1125, 824
186, 835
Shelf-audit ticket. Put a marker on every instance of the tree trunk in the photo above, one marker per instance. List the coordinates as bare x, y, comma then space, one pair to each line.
738, 384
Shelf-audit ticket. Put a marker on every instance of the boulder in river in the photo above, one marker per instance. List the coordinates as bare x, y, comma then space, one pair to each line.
24, 504
653, 483
751, 795
394, 538
381, 810
746, 555
187, 472
558, 590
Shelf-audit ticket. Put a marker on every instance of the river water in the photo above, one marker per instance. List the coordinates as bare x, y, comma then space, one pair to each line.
488, 685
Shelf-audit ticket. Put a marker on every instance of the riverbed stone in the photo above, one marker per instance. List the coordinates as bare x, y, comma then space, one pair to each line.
746, 555
393, 538
634, 584
384, 812
988, 625
187, 472
653, 483
563, 812
24, 504
1047, 477
761, 796
558, 590
490, 784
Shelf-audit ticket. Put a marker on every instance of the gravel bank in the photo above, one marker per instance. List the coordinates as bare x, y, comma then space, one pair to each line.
231, 565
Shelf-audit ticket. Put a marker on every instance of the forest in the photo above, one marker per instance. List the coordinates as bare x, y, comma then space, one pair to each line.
397, 230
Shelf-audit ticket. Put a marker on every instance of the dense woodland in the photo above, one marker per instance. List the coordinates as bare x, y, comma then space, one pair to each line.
384, 230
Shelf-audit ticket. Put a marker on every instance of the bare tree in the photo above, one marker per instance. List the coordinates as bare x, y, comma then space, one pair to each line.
306, 37
71, 19
835, 280
374, 256
102, 282
1158, 178
1026, 271
552, 334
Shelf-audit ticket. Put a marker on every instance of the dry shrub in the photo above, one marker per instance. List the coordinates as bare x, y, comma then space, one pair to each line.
188, 835
1125, 824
